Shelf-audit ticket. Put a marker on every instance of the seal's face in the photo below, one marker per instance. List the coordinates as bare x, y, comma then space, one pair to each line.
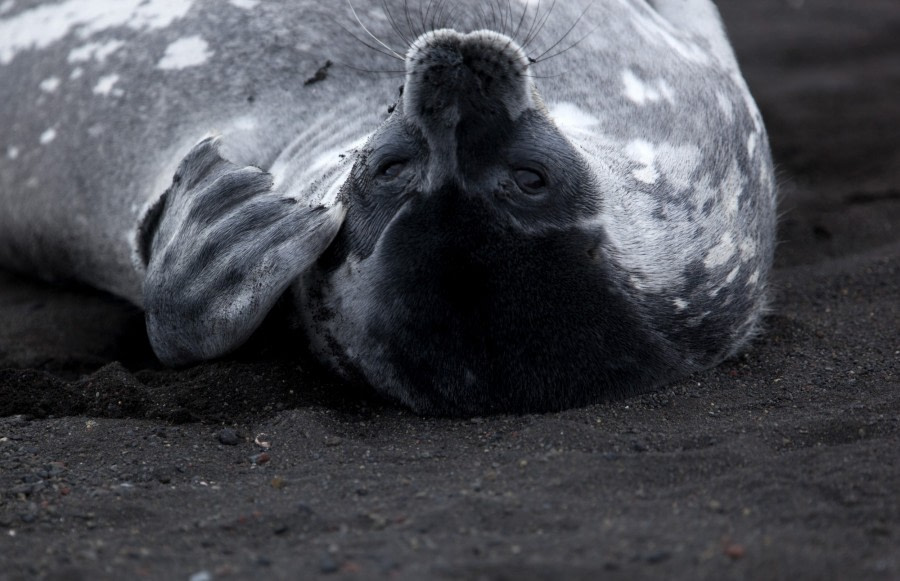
464, 279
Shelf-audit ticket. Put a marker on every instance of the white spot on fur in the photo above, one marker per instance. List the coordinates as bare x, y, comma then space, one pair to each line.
754, 278
720, 253
751, 144
725, 106
732, 187
245, 123
641, 92
189, 51
40, 27
732, 275
50, 84
643, 153
648, 175
105, 85
680, 304
635, 90
48, 136
96, 51
668, 93
569, 116
12, 152
245, 4
748, 249
77, 72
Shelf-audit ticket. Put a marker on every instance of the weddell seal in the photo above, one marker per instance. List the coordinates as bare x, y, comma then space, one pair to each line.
565, 202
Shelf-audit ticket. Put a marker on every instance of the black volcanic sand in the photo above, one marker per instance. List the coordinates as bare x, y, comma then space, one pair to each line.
783, 464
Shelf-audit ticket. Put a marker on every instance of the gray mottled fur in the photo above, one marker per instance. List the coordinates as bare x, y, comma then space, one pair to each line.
640, 255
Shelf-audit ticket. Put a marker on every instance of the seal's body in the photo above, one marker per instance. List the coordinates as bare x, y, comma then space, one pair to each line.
561, 205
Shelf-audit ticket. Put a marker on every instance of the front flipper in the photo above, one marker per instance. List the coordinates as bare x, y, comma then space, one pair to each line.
225, 248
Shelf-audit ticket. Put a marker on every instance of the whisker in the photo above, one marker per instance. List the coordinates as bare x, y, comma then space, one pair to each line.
408, 15
425, 16
570, 47
543, 23
521, 21
393, 22
375, 38
391, 54
531, 29
568, 32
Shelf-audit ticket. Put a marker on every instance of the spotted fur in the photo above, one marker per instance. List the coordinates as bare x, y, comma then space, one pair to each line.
561, 206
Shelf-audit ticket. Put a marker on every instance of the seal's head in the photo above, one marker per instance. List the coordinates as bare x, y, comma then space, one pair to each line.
464, 279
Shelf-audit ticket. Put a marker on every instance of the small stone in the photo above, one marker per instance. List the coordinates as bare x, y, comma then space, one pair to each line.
260, 459
735, 551
328, 565
263, 441
658, 557
55, 469
229, 437
280, 529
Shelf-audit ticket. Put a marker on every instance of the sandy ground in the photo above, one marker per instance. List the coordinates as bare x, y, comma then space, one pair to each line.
783, 464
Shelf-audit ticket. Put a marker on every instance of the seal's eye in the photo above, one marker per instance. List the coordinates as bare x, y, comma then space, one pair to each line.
391, 169
530, 181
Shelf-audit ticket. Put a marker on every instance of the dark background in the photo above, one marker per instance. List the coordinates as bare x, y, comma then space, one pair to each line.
782, 464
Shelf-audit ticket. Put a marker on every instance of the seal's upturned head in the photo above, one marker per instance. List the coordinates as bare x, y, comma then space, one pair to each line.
463, 280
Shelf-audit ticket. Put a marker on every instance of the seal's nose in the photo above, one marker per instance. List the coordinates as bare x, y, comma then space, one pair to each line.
462, 90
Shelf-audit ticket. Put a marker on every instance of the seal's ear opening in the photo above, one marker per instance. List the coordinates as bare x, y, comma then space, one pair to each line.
220, 247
